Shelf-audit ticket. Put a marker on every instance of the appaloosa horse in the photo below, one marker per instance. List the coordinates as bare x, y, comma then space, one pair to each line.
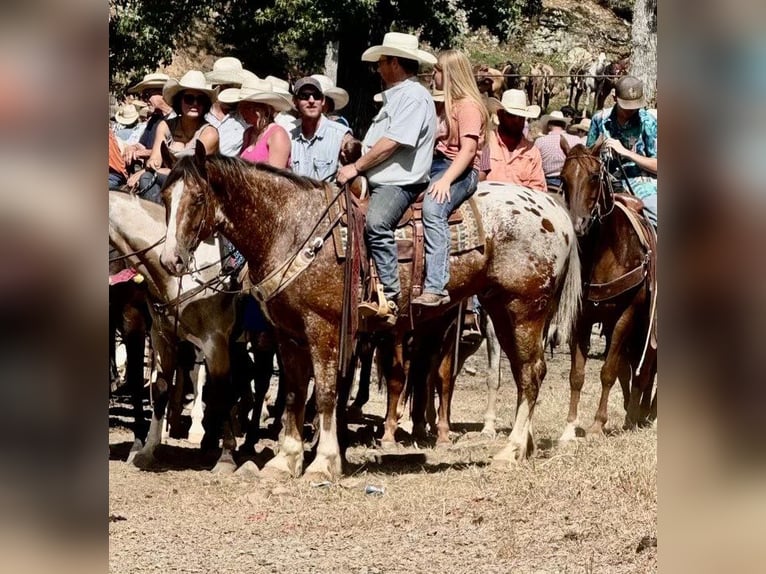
528, 272
617, 271
198, 309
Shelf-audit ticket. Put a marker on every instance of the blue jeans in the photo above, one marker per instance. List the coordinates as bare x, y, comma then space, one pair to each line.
387, 205
435, 215
116, 180
650, 208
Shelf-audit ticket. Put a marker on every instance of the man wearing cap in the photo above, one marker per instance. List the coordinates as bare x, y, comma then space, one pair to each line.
335, 98
631, 133
317, 140
512, 157
150, 90
397, 155
227, 73
549, 144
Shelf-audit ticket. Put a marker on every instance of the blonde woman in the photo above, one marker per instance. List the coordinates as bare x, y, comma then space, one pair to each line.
454, 171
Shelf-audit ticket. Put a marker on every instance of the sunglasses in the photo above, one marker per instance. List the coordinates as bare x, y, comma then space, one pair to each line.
191, 99
306, 95
146, 94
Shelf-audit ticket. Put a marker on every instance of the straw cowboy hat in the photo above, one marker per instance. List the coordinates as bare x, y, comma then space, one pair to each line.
556, 117
280, 86
329, 89
191, 80
514, 102
583, 126
154, 80
126, 115
259, 91
400, 45
226, 70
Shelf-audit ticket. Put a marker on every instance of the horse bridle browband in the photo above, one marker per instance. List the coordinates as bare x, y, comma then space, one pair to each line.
604, 186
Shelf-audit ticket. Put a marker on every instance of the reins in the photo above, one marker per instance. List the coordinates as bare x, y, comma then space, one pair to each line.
139, 252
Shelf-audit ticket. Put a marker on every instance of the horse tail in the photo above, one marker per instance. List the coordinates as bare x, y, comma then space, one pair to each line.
571, 293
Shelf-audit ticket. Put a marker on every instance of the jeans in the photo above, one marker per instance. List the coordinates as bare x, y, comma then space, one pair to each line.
149, 186
650, 208
553, 181
387, 205
435, 215
116, 180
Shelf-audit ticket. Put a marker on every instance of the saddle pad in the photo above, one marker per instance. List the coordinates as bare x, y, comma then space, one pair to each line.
465, 235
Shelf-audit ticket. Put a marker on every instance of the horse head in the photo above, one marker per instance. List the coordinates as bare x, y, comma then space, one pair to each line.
582, 180
189, 209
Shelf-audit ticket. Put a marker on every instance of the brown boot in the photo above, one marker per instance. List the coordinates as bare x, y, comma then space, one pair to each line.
471, 333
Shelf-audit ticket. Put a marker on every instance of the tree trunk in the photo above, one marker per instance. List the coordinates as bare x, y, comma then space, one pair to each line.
643, 62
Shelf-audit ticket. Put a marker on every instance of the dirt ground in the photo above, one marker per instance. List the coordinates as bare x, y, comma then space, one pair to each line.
585, 507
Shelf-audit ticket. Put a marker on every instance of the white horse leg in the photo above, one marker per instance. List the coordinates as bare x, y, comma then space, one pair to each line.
493, 379
197, 431
327, 463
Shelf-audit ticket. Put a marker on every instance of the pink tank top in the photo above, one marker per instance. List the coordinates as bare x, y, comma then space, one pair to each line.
259, 151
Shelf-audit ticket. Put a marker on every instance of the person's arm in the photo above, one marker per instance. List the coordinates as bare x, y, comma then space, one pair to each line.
209, 137
155, 159
279, 147
537, 175
464, 158
647, 163
381, 151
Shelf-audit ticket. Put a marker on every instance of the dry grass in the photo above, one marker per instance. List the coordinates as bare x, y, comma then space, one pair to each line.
576, 509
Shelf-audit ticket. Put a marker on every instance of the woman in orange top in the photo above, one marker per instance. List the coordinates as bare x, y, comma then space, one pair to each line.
454, 171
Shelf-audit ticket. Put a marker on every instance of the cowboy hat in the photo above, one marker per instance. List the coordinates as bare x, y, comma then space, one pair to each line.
256, 90
154, 80
583, 126
126, 115
191, 80
629, 93
401, 46
514, 102
437, 95
329, 89
226, 70
555, 117
280, 86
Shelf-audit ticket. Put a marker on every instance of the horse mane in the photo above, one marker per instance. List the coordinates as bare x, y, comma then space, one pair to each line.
234, 168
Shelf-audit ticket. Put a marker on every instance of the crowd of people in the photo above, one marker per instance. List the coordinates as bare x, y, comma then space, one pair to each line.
441, 141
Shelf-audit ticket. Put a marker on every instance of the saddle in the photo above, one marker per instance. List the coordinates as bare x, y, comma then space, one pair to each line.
466, 233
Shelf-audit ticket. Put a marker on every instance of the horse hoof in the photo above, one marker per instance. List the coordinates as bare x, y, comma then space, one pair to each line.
443, 443
354, 414
143, 460
249, 470
388, 445
274, 474
489, 433
246, 450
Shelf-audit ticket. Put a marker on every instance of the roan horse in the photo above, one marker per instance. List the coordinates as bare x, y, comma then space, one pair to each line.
528, 273
616, 270
202, 312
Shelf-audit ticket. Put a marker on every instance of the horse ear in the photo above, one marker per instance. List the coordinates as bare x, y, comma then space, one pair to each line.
564, 143
595, 149
168, 159
199, 155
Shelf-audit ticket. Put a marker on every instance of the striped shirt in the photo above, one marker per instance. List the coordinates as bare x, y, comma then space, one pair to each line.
551, 152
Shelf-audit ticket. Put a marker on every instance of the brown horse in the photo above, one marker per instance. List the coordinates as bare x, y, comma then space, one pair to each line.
490, 81
528, 273
617, 292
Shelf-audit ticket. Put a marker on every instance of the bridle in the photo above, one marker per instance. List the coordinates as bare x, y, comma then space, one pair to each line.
604, 204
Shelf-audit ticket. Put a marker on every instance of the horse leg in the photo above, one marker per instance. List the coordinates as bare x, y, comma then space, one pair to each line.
624, 376
444, 377
492, 376
166, 351
363, 388
241, 373
609, 370
263, 366
420, 384
391, 353
579, 343
642, 386
327, 464
296, 371
134, 336
185, 359
521, 337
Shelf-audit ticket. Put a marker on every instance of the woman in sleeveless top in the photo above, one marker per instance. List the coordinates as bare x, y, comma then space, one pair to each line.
264, 141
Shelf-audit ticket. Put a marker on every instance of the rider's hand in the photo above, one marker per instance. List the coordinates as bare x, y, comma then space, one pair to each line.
440, 191
133, 179
616, 145
346, 173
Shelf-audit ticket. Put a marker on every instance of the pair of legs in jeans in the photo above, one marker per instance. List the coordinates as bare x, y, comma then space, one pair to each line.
387, 205
437, 235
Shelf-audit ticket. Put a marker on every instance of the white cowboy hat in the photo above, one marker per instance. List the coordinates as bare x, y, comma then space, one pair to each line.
329, 89
191, 80
584, 126
400, 45
437, 95
154, 80
555, 117
256, 90
280, 86
514, 102
226, 70
126, 115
